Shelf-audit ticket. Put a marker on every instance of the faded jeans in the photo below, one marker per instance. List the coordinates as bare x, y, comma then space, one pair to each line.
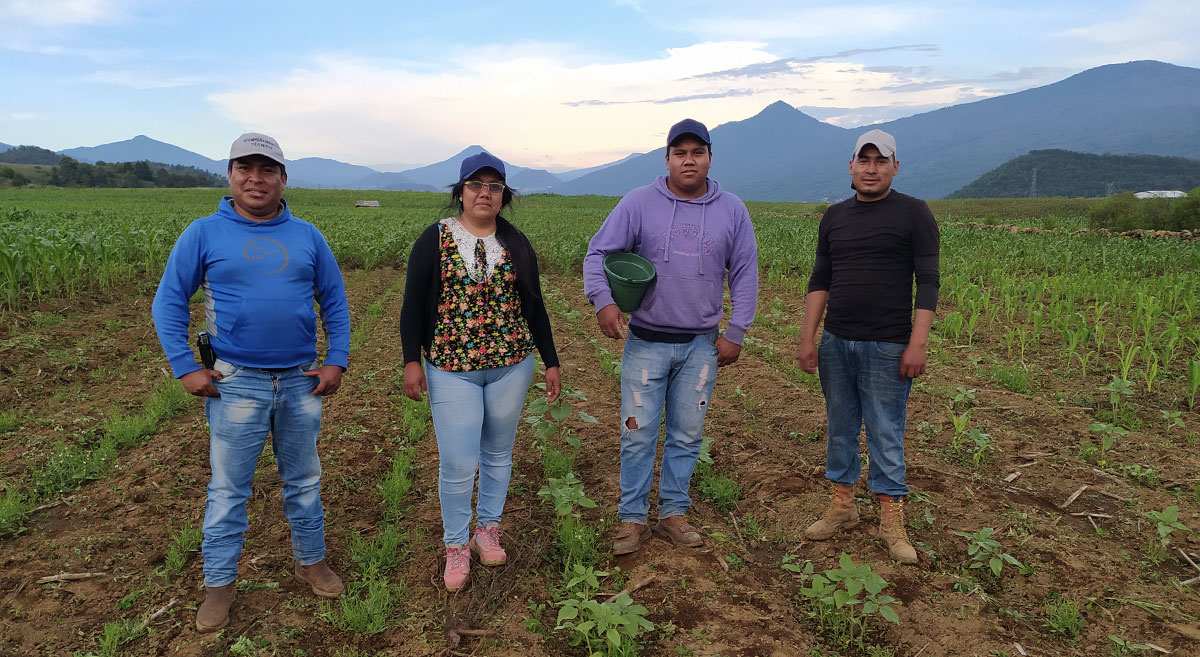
475, 416
862, 385
681, 377
253, 404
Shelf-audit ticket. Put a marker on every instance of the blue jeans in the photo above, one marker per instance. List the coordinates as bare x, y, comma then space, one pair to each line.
254, 403
862, 384
681, 375
475, 416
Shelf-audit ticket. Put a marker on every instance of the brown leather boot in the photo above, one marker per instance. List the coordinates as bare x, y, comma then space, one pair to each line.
892, 531
322, 580
213, 613
841, 514
630, 537
677, 530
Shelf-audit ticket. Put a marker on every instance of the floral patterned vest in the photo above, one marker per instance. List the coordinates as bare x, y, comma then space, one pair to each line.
479, 322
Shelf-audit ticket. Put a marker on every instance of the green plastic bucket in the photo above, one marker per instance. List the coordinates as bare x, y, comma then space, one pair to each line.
629, 274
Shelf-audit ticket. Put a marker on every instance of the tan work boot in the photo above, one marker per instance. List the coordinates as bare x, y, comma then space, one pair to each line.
322, 580
630, 537
213, 613
892, 531
841, 514
677, 530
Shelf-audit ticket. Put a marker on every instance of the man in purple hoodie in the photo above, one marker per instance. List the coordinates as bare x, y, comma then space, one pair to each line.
694, 233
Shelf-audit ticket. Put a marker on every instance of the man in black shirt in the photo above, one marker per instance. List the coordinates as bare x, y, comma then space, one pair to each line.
869, 248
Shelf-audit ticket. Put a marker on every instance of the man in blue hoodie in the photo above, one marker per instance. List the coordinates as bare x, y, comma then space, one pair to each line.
694, 233
260, 269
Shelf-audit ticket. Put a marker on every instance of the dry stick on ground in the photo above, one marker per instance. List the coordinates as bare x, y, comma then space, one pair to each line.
1092, 514
1189, 559
1073, 497
68, 577
51, 505
735, 528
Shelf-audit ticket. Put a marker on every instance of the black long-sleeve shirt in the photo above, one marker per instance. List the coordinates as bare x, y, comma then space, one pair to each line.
423, 291
868, 253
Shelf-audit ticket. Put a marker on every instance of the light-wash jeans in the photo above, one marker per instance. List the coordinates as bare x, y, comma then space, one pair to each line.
862, 384
475, 416
253, 404
681, 377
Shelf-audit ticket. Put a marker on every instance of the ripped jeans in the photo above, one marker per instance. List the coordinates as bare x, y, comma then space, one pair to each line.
253, 404
681, 376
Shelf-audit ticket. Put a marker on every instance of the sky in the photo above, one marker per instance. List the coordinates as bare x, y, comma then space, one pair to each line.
553, 85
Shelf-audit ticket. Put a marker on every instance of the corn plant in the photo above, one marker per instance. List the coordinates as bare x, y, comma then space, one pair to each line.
845, 601
1193, 380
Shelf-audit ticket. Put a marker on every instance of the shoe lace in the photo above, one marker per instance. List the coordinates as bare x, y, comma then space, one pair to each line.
457, 557
895, 520
490, 538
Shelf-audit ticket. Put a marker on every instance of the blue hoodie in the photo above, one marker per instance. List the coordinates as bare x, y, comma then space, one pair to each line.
259, 280
692, 243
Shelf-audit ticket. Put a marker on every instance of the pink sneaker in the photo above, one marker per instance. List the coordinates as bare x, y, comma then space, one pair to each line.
458, 566
486, 543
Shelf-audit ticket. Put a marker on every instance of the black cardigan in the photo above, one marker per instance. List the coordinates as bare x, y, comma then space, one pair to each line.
423, 292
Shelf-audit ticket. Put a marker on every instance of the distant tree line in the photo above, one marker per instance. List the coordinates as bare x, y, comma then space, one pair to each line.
1125, 212
1067, 173
73, 173
29, 155
15, 178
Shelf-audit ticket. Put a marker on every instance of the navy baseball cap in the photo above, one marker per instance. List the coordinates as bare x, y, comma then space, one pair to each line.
481, 160
689, 127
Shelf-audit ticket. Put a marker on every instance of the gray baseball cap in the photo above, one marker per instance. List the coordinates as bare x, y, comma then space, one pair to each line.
880, 139
255, 143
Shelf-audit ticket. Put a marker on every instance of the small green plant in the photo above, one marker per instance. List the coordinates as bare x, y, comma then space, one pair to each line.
366, 608
1166, 522
721, 491
752, 529
396, 484
1172, 420
1117, 388
577, 542
985, 554
1062, 616
71, 465
14, 509
565, 493
1141, 474
1014, 378
248, 647
1193, 381
963, 398
183, 542
606, 629
9, 421
532, 623
845, 601
1108, 436
1125, 648
546, 428
383, 554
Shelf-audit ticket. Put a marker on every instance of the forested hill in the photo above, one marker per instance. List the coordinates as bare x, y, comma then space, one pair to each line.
1067, 173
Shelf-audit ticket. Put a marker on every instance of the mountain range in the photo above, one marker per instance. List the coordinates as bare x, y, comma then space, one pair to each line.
782, 154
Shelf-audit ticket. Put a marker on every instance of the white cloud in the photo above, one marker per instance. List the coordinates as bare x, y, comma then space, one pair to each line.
529, 106
1156, 29
789, 22
51, 13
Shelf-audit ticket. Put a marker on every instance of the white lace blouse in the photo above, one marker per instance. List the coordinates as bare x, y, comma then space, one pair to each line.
465, 242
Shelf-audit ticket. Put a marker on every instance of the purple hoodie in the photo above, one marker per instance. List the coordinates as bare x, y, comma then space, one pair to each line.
692, 242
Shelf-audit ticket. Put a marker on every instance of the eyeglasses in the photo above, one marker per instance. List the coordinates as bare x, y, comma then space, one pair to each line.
477, 186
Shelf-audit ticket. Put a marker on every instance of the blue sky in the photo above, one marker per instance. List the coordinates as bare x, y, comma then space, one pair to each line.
545, 84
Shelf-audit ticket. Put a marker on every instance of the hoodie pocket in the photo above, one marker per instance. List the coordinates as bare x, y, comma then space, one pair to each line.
272, 325
681, 302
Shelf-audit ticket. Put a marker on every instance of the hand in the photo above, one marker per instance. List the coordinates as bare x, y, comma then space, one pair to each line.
414, 381
912, 362
612, 321
808, 356
553, 383
331, 379
200, 383
727, 352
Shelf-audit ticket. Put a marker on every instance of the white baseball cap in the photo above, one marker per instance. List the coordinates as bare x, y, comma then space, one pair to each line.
880, 139
254, 143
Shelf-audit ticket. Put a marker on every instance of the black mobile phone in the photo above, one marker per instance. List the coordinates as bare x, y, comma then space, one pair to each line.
207, 357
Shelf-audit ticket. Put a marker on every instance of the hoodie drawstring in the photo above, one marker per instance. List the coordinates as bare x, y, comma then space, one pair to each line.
700, 239
670, 229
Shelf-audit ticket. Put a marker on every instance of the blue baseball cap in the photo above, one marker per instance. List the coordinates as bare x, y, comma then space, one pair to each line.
481, 160
689, 127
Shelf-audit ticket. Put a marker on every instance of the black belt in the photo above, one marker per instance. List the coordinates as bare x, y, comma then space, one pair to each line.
275, 370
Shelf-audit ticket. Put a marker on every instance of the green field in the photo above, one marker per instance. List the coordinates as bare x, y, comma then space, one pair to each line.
1057, 361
